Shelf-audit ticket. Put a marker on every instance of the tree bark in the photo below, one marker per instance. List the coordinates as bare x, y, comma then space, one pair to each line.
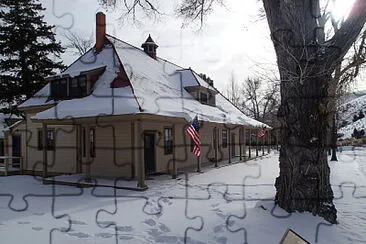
306, 68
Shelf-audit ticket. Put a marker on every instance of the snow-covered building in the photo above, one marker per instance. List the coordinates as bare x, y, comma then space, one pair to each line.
122, 111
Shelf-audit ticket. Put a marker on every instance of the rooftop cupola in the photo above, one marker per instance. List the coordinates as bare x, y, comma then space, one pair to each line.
150, 47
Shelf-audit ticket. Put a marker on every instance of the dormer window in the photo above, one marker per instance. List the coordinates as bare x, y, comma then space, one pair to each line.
78, 87
59, 88
67, 88
202, 94
203, 98
63, 86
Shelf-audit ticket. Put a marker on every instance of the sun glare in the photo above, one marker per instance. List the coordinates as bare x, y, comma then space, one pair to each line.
341, 8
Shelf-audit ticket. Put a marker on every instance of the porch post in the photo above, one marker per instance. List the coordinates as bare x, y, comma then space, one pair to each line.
174, 170
229, 143
87, 149
133, 149
250, 142
240, 143
78, 149
256, 146
216, 144
244, 142
44, 142
140, 157
263, 141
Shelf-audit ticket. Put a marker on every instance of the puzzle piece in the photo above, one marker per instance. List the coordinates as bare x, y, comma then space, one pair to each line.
34, 216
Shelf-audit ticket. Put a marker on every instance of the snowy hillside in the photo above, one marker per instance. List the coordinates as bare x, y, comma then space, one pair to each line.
347, 112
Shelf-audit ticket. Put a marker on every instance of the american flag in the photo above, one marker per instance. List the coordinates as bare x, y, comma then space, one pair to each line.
261, 133
192, 131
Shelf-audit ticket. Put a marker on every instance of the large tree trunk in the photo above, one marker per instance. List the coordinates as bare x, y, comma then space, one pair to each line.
306, 64
303, 183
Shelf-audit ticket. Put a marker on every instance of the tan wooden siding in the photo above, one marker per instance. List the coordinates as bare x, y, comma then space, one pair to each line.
61, 160
112, 150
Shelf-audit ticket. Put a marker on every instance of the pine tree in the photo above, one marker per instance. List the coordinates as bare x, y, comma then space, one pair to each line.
27, 50
355, 118
361, 115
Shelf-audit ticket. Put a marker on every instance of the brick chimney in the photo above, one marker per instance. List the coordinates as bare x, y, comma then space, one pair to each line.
150, 47
100, 32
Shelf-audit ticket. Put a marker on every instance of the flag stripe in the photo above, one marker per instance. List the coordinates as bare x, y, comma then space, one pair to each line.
192, 131
261, 133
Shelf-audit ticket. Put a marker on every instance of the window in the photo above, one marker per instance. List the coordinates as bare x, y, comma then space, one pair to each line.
214, 137
50, 139
84, 141
168, 141
203, 98
224, 138
77, 87
69, 88
59, 88
92, 142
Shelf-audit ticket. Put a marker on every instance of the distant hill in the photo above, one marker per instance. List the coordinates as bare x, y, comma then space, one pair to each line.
354, 103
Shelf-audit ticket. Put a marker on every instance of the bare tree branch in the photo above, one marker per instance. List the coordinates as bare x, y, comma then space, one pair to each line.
78, 43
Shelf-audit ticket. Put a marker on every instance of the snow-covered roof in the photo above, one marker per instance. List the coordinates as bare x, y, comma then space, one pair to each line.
3, 125
156, 87
76, 72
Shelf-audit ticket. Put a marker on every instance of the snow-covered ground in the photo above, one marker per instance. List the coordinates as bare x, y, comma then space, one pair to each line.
231, 204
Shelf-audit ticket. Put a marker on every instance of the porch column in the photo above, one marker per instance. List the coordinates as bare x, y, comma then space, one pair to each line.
133, 149
256, 146
87, 150
250, 142
78, 149
240, 143
229, 144
140, 156
44, 143
216, 144
244, 143
263, 141
174, 170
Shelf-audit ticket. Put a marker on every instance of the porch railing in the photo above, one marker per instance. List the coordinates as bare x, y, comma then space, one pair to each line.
7, 163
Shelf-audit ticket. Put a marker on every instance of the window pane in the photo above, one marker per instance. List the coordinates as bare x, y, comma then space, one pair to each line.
50, 140
92, 143
63, 88
82, 85
203, 98
224, 138
40, 140
168, 141
78, 87
84, 140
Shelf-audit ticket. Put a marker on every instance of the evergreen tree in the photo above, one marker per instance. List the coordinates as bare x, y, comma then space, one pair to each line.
27, 49
355, 133
361, 115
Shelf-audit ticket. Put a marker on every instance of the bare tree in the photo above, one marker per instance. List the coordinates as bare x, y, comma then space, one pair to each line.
260, 98
233, 91
306, 61
78, 43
